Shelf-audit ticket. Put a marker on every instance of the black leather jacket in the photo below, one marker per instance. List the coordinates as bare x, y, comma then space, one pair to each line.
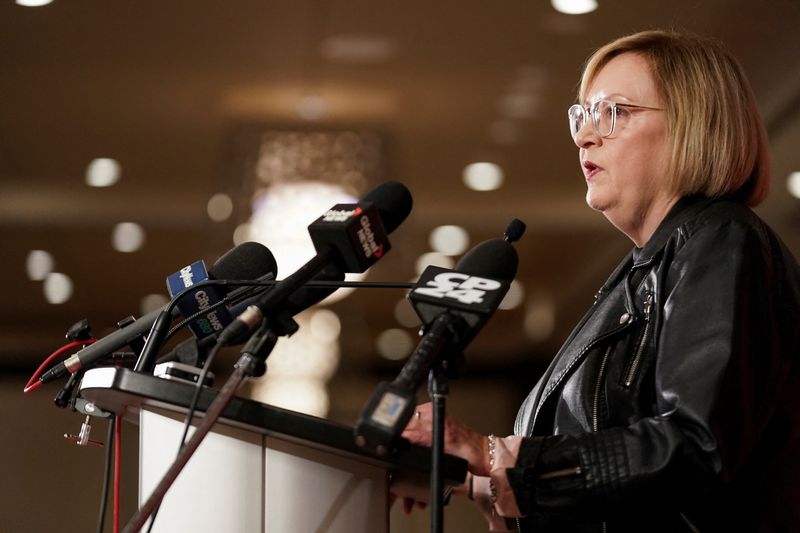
675, 404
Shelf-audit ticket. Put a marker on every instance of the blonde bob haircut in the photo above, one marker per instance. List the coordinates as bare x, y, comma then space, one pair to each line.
719, 144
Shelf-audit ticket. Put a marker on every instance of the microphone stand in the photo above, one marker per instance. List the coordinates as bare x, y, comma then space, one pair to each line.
255, 352
438, 389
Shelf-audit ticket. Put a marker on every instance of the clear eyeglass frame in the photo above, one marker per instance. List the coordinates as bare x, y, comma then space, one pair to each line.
604, 115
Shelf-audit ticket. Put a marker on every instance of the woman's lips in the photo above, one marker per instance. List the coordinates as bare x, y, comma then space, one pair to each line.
590, 169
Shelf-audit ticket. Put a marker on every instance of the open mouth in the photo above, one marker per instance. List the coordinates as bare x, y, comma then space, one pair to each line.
590, 169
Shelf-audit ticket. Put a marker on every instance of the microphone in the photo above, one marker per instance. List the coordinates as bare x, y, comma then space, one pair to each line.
247, 261
192, 301
244, 262
454, 305
347, 237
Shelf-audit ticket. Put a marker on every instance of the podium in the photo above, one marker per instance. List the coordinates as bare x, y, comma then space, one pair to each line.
262, 468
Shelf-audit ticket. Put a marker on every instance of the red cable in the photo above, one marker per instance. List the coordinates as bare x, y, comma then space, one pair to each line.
33, 383
31, 388
117, 465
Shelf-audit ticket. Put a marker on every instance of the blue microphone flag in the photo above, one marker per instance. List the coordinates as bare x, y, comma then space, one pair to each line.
199, 299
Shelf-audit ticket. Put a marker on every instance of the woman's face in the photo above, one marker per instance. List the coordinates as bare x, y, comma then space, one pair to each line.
626, 172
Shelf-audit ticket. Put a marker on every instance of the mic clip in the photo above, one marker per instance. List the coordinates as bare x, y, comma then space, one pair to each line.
282, 324
451, 361
80, 331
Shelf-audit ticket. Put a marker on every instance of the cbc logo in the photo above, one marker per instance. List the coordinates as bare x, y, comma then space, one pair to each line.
460, 287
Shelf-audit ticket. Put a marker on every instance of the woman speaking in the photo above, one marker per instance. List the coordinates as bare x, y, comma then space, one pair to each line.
674, 405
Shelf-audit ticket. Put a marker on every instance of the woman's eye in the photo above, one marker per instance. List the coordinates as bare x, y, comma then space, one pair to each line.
607, 111
621, 112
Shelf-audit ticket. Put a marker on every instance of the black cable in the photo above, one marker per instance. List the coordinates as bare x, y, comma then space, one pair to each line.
190, 414
106, 475
153, 518
227, 299
177, 327
196, 396
269, 283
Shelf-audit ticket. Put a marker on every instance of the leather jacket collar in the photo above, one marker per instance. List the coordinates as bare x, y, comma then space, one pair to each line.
684, 209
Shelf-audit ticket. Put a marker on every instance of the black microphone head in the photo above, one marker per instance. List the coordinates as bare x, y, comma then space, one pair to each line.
495, 258
394, 202
514, 231
249, 260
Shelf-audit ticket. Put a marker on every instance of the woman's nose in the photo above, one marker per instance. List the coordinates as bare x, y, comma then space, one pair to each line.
586, 136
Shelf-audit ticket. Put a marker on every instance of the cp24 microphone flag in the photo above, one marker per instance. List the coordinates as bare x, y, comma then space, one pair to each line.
453, 305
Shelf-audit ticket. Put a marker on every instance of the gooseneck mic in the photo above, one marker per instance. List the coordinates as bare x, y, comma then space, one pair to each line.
247, 261
453, 305
347, 238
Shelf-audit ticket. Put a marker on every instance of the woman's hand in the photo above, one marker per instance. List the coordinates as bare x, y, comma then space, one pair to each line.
459, 439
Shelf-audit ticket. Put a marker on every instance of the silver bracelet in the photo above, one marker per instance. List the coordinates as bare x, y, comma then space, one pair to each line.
492, 486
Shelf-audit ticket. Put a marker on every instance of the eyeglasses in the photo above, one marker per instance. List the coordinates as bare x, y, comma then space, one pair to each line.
606, 116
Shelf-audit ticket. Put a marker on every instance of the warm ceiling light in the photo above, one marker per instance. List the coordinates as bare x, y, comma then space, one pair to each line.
514, 296
152, 302
405, 315
449, 240
793, 184
57, 288
241, 233
519, 105
312, 108
504, 131
529, 78
102, 172
127, 237
220, 207
33, 3
574, 7
300, 395
320, 354
540, 319
39, 264
433, 259
282, 213
483, 176
357, 48
394, 344
325, 325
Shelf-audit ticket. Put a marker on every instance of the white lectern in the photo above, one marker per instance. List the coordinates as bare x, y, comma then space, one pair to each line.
262, 469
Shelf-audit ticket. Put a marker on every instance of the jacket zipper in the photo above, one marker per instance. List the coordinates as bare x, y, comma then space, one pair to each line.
595, 406
597, 388
637, 358
596, 400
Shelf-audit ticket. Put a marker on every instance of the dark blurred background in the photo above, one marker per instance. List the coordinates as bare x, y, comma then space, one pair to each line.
138, 137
